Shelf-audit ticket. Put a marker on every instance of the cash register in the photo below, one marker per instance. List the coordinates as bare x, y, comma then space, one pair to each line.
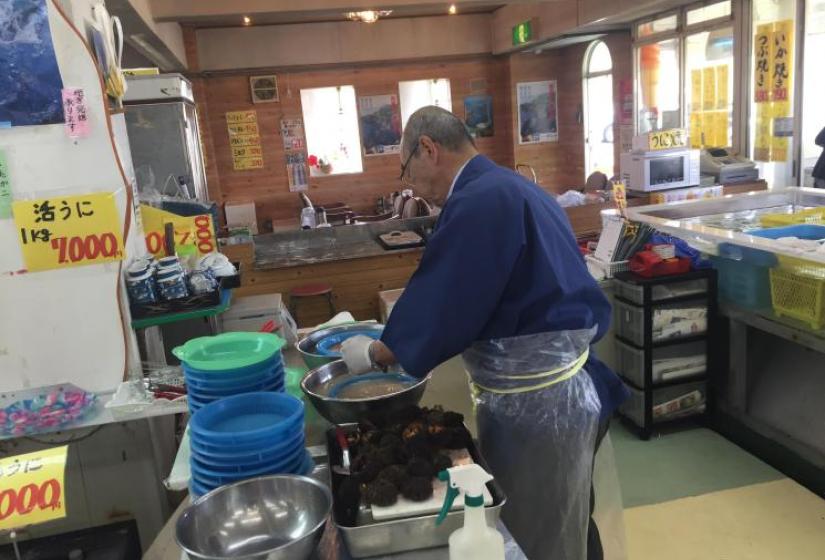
727, 168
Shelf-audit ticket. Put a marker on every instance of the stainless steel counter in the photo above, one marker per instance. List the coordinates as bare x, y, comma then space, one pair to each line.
303, 247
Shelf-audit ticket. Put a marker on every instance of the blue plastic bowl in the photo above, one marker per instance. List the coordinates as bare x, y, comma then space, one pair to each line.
208, 477
218, 381
230, 390
324, 346
252, 446
199, 400
262, 451
205, 466
276, 362
239, 418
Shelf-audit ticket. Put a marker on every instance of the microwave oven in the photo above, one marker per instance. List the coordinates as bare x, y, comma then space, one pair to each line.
660, 170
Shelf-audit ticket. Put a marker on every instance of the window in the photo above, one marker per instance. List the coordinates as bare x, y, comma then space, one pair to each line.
685, 73
661, 25
773, 59
420, 93
813, 109
708, 13
709, 91
331, 126
658, 86
598, 110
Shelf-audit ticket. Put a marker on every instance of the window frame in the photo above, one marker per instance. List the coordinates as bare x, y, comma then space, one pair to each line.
587, 75
735, 21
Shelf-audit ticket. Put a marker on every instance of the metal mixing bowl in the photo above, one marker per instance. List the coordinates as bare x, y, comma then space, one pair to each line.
345, 411
307, 345
268, 518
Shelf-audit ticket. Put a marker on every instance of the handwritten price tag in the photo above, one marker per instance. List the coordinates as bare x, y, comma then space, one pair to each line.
32, 488
666, 139
74, 108
68, 231
193, 234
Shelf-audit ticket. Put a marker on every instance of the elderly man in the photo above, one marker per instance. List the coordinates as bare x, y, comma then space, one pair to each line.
502, 281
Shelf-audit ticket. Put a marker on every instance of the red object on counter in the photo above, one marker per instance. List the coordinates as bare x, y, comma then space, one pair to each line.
649, 264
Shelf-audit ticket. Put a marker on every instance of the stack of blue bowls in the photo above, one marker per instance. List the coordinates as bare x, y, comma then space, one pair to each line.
246, 436
204, 387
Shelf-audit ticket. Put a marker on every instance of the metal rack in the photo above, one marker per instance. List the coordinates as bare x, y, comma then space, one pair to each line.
649, 387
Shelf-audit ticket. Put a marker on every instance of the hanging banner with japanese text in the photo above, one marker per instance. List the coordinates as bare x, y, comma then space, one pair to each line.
67, 231
32, 488
772, 83
194, 235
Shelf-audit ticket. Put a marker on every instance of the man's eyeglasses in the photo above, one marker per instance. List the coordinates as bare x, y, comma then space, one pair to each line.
407, 162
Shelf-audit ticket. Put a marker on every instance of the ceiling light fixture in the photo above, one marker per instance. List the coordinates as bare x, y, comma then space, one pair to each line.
452, 10
247, 20
368, 16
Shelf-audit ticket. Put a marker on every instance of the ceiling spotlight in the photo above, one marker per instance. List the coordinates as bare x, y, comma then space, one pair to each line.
368, 16
247, 20
452, 10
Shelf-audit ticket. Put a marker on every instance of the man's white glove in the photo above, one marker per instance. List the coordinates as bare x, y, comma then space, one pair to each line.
356, 354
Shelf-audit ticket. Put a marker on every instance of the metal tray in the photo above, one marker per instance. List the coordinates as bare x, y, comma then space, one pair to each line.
412, 533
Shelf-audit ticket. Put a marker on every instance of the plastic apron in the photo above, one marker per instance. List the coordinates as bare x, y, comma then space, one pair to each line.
538, 420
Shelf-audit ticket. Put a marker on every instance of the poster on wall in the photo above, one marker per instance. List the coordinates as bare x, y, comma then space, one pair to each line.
244, 140
537, 112
30, 82
380, 119
478, 115
292, 133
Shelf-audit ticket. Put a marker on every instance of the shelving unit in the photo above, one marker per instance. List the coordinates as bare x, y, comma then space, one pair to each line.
637, 300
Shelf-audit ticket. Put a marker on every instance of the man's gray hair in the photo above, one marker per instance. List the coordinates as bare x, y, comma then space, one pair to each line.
439, 124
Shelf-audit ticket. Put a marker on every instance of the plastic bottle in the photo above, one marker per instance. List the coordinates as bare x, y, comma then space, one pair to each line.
476, 539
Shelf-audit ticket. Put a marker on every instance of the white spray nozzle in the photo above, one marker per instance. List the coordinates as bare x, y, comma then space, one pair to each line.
469, 479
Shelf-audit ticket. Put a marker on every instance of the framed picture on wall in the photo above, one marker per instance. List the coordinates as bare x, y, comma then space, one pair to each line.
264, 89
380, 120
478, 114
537, 112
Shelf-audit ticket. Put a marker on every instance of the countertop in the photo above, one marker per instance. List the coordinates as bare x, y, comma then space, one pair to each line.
305, 247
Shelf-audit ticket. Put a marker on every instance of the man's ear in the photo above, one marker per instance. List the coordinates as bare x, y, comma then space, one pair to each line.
429, 147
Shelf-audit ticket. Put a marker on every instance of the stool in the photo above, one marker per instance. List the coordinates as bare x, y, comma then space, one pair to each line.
310, 291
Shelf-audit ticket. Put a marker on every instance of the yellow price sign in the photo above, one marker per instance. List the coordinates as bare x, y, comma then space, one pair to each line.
241, 163
241, 116
244, 140
666, 139
620, 196
32, 488
247, 151
67, 231
243, 128
193, 234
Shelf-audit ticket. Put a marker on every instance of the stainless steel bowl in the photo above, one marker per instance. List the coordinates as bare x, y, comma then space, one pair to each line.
307, 345
268, 518
345, 411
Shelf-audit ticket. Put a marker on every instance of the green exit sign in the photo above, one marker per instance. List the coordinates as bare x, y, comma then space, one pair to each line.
523, 33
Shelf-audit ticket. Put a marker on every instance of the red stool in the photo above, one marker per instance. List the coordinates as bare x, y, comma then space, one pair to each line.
310, 291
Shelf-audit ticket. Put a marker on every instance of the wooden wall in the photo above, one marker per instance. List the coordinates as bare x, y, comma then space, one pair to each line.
559, 165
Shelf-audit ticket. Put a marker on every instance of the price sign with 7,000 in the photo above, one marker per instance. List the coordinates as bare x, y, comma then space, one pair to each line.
66, 231
32, 488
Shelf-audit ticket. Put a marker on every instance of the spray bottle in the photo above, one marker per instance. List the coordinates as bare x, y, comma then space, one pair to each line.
476, 539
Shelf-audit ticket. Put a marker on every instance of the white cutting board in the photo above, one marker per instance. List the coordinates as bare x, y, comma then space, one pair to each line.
407, 508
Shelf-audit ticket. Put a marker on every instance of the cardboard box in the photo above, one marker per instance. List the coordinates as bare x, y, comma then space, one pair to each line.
241, 215
386, 301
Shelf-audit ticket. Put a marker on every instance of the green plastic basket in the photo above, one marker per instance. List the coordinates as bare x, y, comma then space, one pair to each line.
229, 351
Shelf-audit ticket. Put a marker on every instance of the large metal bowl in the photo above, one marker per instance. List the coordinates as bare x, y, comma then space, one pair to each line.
307, 345
268, 518
345, 411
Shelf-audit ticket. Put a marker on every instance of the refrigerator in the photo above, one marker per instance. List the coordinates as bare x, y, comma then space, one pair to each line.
164, 136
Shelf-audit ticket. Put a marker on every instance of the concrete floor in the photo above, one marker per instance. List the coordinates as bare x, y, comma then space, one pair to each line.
691, 494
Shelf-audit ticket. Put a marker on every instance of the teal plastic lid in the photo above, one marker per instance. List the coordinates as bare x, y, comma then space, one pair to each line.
229, 350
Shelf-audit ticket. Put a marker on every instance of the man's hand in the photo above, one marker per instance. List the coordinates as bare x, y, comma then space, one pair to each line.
356, 354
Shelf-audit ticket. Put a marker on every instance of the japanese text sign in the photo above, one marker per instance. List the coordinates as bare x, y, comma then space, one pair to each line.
244, 140
74, 109
782, 60
66, 231
763, 47
194, 235
32, 488
667, 139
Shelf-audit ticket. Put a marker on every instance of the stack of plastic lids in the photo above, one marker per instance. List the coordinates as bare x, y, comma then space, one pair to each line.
246, 436
229, 364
